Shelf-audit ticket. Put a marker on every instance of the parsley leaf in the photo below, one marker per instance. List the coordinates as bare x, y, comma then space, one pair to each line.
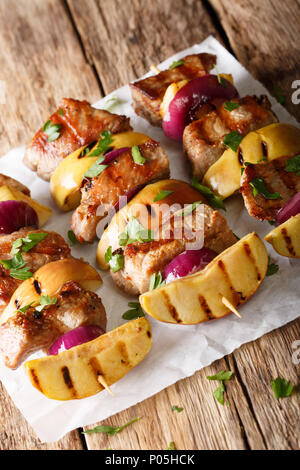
219, 393
220, 79
103, 144
72, 238
189, 209
156, 281
293, 165
171, 446
222, 375
177, 408
161, 195
282, 388
24, 309
51, 130
17, 267
96, 169
134, 231
231, 105
213, 200
259, 187
233, 140
135, 312
27, 243
272, 268
110, 103
279, 95
115, 260
60, 112
137, 156
45, 300
110, 430
175, 64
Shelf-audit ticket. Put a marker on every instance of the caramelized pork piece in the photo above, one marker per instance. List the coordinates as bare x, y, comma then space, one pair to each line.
204, 227
14, 184
274, 177
148, 93
24, 333
121, 175
203, 139
80, 124
51, 248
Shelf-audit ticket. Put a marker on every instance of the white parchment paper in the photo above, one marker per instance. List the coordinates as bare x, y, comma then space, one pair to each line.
178, 351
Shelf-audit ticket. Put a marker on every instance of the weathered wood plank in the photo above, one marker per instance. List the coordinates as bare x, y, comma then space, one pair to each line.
265, 38
41, 61
123, 38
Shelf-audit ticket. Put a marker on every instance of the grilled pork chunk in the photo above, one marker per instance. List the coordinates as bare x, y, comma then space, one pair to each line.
14, 184
204, 226
24, 333
121, 175
276, 180
203, 139
81, 124
148, 93
51, 248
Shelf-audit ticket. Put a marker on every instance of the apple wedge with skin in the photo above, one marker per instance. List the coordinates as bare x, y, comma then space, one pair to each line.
285, 238
234, 274
77, 373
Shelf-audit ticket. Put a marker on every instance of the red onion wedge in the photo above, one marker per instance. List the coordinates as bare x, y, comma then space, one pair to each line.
188, 262
80, 335
15, 215
189, 98
289, 210
111, 156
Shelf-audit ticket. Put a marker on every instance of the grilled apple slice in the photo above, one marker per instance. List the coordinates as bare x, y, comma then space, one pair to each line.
267, 143
66, 181
235, 274
76, 373
48, 280
180, 193
285, 238
9, 194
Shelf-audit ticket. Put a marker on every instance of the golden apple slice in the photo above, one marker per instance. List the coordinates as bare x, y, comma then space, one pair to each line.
78, 372
170, 93
267, 143
9, 194
285, 238
234, 275
66, 181
180, 193
48, 280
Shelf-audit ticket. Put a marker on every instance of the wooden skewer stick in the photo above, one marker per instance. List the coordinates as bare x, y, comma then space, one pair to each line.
155, 69
104, 384
231, 307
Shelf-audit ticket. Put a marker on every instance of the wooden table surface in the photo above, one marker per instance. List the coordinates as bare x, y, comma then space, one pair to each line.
85, 49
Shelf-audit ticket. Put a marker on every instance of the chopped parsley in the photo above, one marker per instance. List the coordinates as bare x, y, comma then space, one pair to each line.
137, 156
282, 388
259, 187
114, 259
60, 112
213, 200
135, 311
156, 281
103, 144
177, 408
171, 446
280, 95
96, 169
161, 195
110, 430
135, 232
72, 238
222, 377
175, 64
233, 140
51, 130
110, 103
272, 268
17, 267
45, 300
219, 393
27, 243
231, 105
293, 165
